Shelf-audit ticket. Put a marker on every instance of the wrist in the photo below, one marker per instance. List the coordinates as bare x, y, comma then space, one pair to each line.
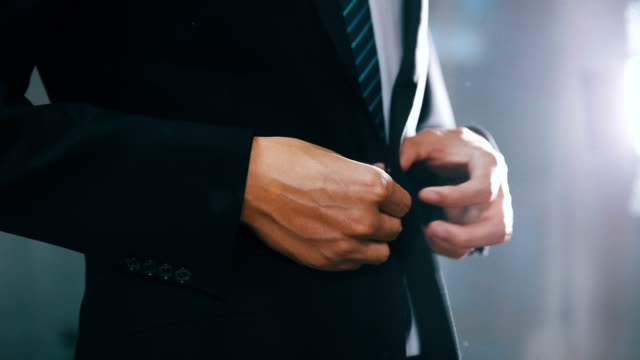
250, 193
485, 134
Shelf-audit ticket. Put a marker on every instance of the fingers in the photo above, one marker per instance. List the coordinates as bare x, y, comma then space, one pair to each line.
388, 229
392, 199
369, 253
414, 149
456, 150
370, 224
483, 233
409, 152
441, 247
384, 223
482, 187
430, 144
350, 254
397, 201
375, 253
365, 252
473, 226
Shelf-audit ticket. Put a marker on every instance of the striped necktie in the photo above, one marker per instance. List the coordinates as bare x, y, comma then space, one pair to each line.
359, 26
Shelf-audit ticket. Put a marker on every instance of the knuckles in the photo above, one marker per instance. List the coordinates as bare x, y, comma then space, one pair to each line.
384, 256
459, 240
322, 263
484, 194
343, 255
363, 225
333, 262
336, 253
342, 249
378, 184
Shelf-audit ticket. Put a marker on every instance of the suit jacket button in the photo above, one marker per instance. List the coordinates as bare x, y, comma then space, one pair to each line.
182, 275
165, 271
132, 264
149, 268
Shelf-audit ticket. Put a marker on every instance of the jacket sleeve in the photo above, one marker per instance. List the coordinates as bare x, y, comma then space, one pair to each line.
159, 198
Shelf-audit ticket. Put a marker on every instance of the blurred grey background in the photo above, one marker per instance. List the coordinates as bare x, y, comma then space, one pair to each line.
547, 77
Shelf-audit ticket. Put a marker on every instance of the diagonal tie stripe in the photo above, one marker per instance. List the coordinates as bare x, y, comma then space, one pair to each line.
359, 28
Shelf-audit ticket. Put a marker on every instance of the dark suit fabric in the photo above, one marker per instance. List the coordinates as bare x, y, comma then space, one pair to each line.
143, 154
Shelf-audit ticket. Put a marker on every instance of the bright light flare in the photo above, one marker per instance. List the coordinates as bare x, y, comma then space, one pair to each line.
632, 91
632, 113
632, 99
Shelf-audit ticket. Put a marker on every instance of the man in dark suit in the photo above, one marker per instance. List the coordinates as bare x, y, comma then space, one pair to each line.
212, 160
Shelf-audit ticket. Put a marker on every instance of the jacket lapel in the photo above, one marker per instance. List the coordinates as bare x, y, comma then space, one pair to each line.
423, 278
405, 88
435, 326
331, 15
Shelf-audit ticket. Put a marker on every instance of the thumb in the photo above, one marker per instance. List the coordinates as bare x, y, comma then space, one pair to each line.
408, 153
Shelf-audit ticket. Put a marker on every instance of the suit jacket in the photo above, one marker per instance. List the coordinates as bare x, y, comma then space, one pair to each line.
140, 164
